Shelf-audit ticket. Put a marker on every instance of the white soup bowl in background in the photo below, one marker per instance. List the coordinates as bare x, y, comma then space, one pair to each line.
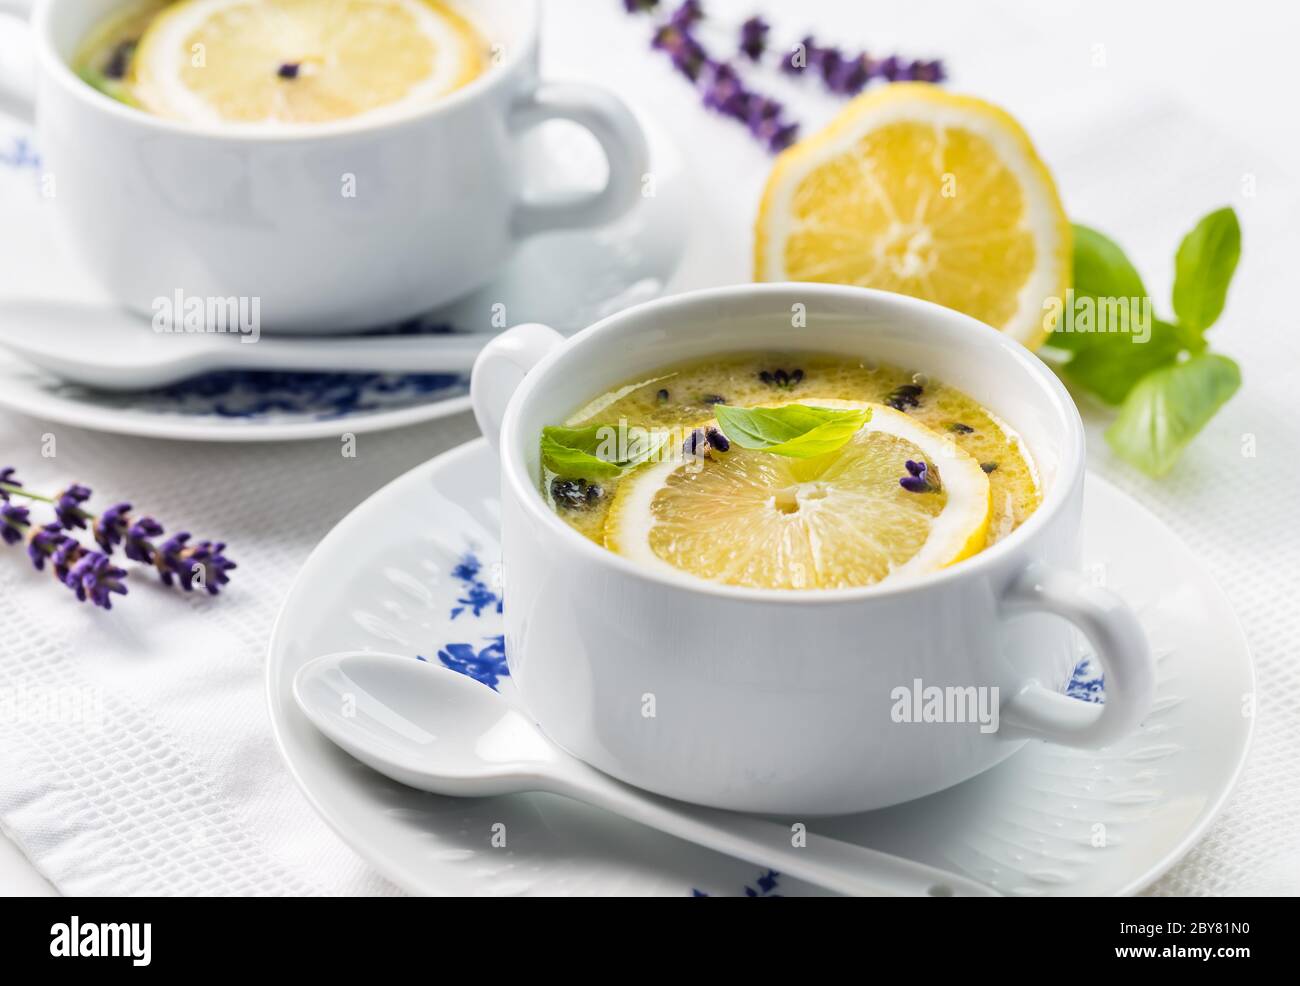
334, 226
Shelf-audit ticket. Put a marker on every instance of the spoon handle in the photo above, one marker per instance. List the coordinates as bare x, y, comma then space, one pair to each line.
819, 860
444, 353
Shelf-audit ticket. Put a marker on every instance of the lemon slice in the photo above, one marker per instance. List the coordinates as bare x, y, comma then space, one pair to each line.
300, 61
752, 518
919, 191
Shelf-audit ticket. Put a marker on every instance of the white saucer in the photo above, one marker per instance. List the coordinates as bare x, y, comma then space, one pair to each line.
567, 280
412, 570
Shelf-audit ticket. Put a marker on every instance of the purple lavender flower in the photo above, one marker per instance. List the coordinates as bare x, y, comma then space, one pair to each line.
93, 576
639, 6
851, 76
109, 526
67, 506
14, 520
723, 90
687, 15
89, 574
7, 477
775, 134
184, 562
138, 546
759, 108
753, 37
827, 61
66, 552
116, 526
43, 543
918, 478
931, 71
687, 54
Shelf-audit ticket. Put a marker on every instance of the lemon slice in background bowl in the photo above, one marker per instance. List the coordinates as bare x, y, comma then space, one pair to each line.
930, 194
300, 61
753, 518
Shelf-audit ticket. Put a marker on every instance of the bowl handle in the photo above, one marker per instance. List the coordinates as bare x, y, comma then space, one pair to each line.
620, 137
1120, 645
501, 368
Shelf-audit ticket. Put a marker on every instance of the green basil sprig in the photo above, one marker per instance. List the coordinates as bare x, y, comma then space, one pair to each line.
1167, 383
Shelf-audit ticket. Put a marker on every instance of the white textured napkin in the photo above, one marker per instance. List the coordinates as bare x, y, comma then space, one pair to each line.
176, 786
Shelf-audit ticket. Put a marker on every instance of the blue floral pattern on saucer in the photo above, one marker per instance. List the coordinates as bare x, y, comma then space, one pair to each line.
486, 664
256, 396
19, 153
1087, 683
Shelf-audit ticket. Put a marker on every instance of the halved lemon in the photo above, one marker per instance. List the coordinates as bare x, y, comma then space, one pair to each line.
300, 61
752, 518
916, 190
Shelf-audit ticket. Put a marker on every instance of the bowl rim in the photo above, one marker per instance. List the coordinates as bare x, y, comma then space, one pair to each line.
60, 72
1068, 479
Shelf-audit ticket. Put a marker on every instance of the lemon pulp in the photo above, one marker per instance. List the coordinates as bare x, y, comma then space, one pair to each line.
291, 62
930, 194
752, 518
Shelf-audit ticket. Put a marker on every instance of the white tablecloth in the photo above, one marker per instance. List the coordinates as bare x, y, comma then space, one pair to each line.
182, 791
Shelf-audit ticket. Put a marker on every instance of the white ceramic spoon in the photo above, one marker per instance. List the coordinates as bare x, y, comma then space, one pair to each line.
437, 730
112, 349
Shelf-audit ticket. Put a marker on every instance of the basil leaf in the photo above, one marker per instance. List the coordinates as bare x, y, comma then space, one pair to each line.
1206, 261
597, 451
1101, 270
1168, 407
1110, 366
572, 463
796, 430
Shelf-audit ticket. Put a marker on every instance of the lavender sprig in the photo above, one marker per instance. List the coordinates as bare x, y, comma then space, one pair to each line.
721, 87
848, 74
723, 90
91, 574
